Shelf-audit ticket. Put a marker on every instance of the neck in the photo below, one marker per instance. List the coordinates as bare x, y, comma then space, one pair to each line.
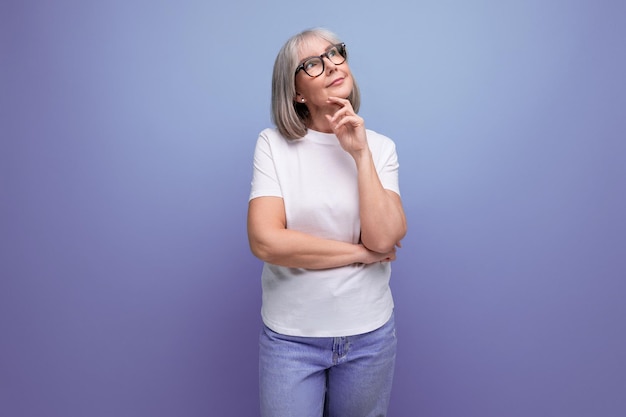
317, 118
320, 127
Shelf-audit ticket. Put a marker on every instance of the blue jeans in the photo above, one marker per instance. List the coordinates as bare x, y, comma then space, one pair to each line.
327, 376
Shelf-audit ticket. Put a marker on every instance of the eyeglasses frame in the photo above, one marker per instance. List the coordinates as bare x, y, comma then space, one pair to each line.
339, 46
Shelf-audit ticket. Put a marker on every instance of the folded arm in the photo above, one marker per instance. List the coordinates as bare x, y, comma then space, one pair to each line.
272, 242
383, 222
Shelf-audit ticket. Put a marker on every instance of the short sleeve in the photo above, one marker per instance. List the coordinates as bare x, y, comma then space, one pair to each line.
264, 179
387, 165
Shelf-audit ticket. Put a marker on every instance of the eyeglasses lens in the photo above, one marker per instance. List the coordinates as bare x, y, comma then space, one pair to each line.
315, 66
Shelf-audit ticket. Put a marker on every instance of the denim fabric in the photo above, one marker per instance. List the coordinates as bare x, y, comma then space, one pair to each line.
327, 376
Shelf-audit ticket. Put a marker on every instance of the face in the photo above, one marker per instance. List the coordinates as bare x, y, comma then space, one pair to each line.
335, 81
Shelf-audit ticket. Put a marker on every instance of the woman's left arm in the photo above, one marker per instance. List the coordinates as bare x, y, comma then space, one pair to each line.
383, 222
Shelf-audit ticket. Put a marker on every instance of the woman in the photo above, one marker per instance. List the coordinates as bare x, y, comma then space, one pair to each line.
325, 216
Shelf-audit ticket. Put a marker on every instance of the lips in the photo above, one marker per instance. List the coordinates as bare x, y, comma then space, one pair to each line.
336, 82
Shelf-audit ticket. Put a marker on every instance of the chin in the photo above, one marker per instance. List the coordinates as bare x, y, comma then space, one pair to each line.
344, 91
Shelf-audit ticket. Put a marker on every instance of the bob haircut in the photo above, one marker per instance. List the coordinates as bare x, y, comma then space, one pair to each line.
290, 116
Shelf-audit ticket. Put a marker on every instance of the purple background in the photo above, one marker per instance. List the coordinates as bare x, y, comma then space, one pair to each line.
127, 287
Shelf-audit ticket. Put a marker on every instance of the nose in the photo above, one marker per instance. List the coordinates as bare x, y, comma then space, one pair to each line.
329, 65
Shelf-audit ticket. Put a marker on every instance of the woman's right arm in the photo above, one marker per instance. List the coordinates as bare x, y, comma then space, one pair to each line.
272, 242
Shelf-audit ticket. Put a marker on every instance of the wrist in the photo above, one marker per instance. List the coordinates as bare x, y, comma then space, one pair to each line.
362, 254
361, 155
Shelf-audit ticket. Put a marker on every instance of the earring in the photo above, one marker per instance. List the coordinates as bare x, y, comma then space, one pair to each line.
302, 99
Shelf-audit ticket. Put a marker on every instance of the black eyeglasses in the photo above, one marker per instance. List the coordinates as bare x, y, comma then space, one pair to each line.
314, 66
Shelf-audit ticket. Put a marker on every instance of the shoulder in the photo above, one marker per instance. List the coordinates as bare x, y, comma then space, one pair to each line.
273, 137
268, 138
270, 134
380, 141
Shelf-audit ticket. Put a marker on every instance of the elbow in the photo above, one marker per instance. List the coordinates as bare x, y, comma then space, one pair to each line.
383, 244
262, 250
380, 245
259, 250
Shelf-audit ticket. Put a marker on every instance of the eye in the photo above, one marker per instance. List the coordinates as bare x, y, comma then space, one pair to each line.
311, 63
332, 53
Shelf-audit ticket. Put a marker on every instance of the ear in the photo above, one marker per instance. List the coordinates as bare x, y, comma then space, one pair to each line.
298, 98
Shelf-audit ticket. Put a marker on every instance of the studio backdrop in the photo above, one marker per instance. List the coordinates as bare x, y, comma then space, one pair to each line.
127, 288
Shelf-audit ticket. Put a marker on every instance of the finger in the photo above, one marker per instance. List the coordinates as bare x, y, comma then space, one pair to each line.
336, 121
343, 112
352, 120
342, 101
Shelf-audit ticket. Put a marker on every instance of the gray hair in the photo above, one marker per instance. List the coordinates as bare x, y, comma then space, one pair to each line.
289, 116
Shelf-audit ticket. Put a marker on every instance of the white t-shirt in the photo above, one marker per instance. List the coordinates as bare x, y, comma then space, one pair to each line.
317, 181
